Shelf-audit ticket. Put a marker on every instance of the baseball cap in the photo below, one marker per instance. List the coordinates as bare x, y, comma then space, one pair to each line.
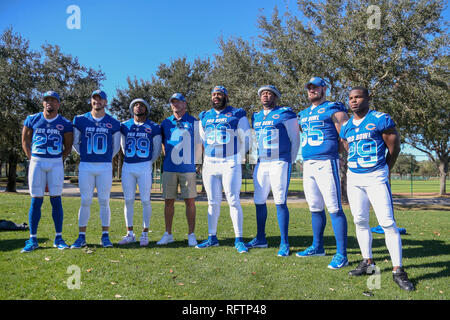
220, 89
139, 100
177, 96
99, 92
51, 94
317, 81
270, 88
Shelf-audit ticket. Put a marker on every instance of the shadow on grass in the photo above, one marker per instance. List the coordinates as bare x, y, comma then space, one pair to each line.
14, 244
418, 249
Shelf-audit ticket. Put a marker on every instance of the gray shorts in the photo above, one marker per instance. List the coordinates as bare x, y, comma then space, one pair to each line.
186, 180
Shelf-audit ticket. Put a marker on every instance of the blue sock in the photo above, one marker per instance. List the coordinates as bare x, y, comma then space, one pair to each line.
57, 213
283, 222
34, 214
339, 222
261, 217
318, 222
238, 239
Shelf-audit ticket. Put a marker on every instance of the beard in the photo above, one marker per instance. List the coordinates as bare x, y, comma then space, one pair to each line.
219, 106
317, 98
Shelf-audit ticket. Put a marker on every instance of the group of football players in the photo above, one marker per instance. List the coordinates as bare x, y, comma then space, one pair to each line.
219, 140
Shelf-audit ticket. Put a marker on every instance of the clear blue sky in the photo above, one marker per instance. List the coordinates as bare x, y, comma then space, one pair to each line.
132, 38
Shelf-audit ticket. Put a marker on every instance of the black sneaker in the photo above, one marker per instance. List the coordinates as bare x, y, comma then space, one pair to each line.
401, 278
363, 268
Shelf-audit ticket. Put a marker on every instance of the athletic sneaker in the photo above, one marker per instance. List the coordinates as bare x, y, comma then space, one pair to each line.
127, 239
379, 229
79, 243
255, 243
143, 240
30, 245
105, 242
284, 250
338, 261
401, 278
311, 252
363, 268
210, 242
166, 239
192, 240
60, 243
240, 247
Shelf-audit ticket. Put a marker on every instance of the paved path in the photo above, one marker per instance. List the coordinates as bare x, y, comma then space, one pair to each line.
72, 190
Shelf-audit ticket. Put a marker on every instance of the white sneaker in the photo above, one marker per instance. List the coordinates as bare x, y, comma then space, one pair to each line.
192, 240
143, 241
127, 239
166, 238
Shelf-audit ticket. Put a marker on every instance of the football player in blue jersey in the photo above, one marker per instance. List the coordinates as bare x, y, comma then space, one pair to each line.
141, 146
320, 125
278, 141
226, 135
96, 140
182, 151
46, 140
367, 135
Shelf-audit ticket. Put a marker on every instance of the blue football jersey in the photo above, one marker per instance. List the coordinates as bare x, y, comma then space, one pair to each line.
96, 137
48, 137
367, 149
221, 135
320, 139
178, 138
139, 140
272, 139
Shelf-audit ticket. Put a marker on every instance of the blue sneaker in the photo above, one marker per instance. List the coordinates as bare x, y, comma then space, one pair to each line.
30, 245
60, 243
338, 261
379, 229
311, 252
255, 243
79, 243
210, 242
284, 250
105, 241
240, 246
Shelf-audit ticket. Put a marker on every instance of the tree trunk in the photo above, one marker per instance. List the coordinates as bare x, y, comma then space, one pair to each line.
343, 174
443, 171
11, 185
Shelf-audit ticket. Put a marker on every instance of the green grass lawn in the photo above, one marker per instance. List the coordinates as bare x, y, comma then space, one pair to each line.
177, 272
403, 187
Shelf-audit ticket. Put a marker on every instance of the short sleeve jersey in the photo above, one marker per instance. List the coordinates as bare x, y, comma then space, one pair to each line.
367, 149
48, 136
179, 138
319, 137
96, 137
139, 140
221, 131
272, 138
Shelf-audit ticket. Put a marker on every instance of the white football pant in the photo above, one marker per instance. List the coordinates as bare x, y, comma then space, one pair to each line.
45, 172
271, 175
226, 174
321, 184
139, 174
94, 175
373, 188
